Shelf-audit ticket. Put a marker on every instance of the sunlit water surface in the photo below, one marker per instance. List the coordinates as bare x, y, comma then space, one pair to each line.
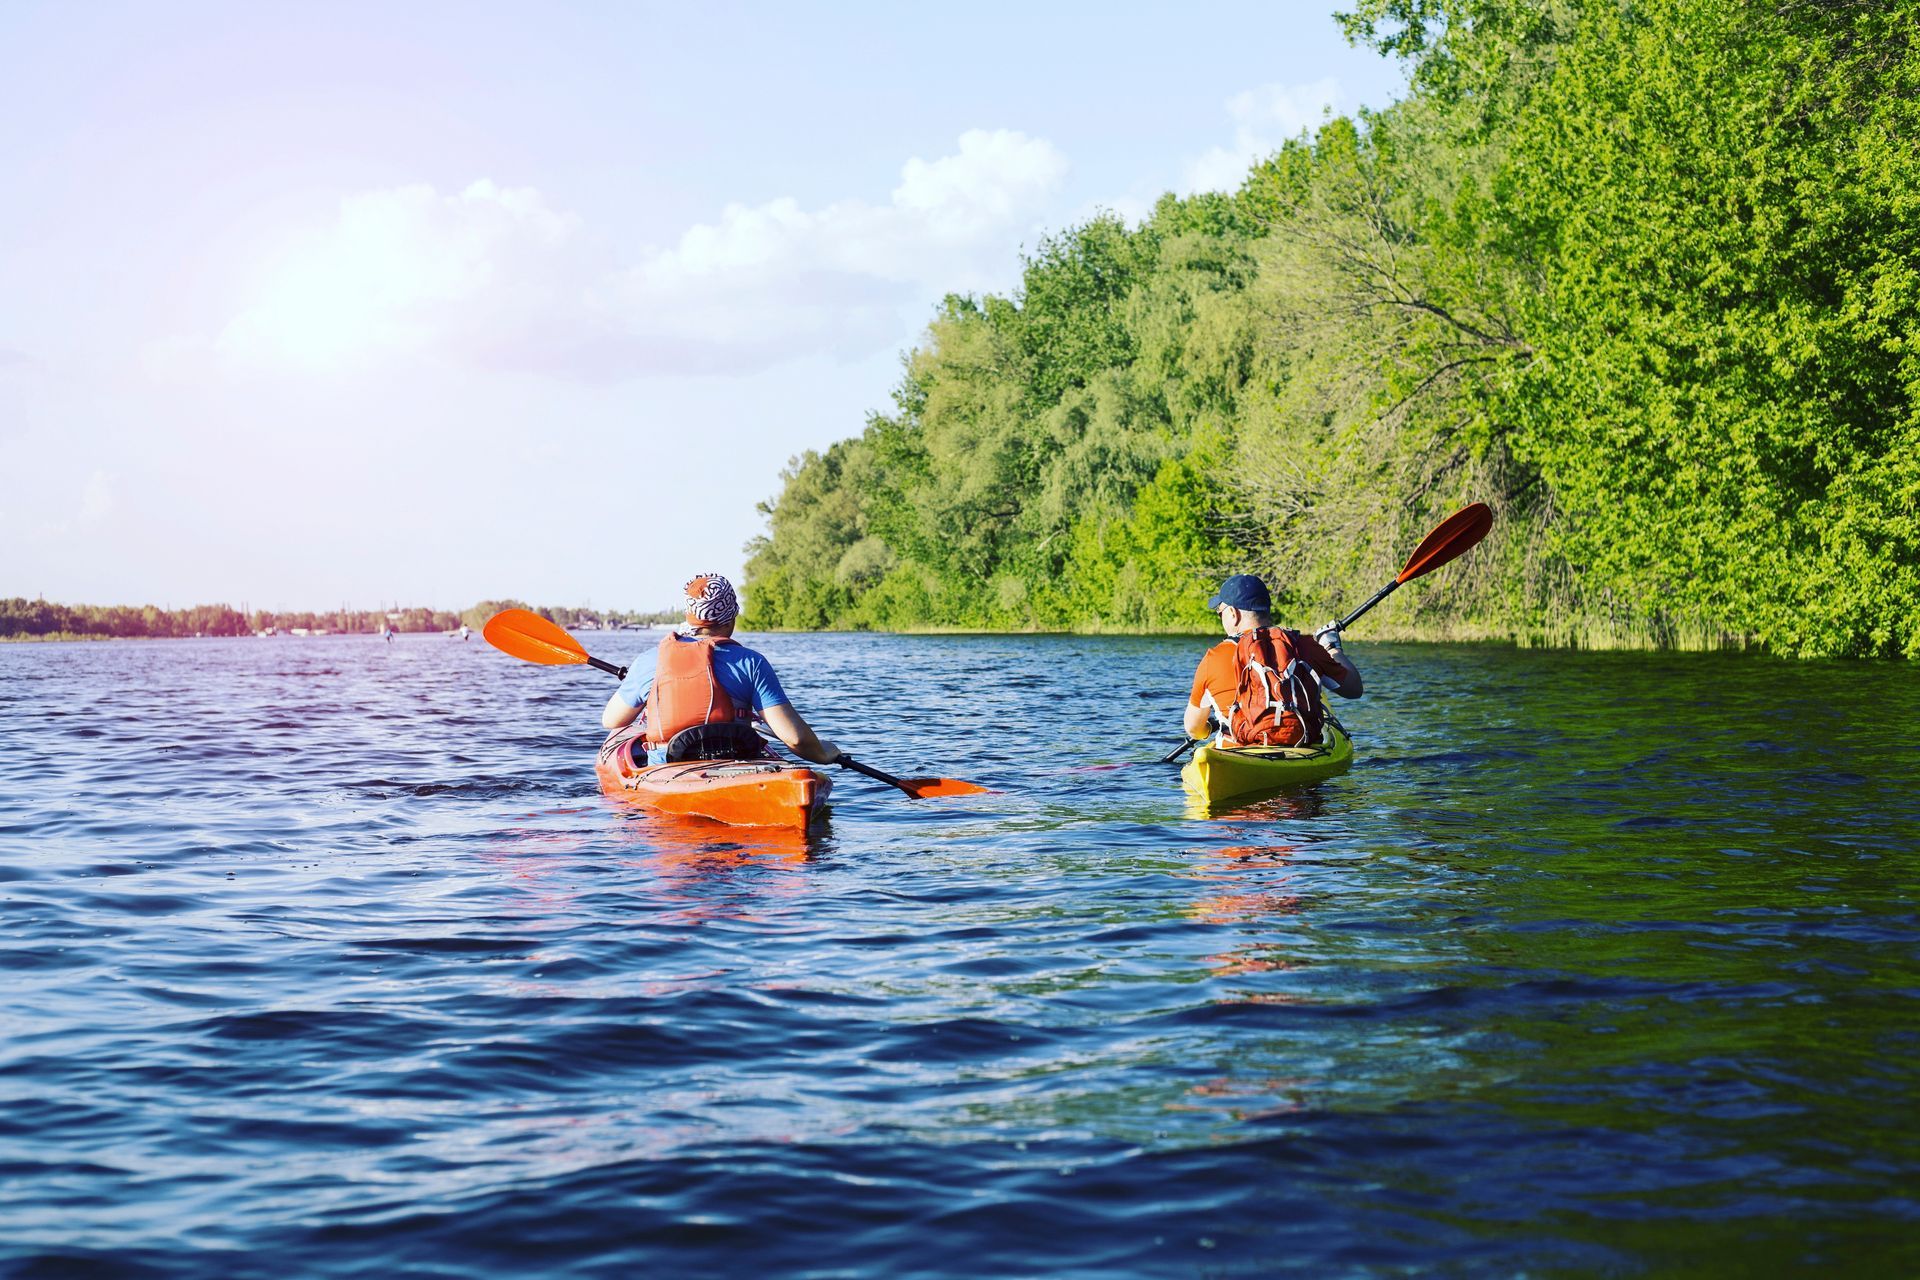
326, 957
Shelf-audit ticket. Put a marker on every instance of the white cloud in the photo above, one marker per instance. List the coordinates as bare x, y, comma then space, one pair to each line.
495, 276
776, 279
1264, 118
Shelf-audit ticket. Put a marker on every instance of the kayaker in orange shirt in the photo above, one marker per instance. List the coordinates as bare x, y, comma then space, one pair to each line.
1245, 610
705, 688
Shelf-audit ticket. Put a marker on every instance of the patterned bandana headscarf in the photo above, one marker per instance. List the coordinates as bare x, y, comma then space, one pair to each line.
710, 601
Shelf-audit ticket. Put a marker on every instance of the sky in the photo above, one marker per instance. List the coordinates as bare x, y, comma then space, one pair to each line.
369, 305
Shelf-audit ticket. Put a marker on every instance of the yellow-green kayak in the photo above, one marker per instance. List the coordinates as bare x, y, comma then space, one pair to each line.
1215, 773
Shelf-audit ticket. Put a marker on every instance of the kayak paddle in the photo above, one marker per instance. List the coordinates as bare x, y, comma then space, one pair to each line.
918, 788
1454, 537
530, 637
1450, 539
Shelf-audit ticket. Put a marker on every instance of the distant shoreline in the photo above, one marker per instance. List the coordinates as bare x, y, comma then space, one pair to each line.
1594, 642
67, 637
42, 619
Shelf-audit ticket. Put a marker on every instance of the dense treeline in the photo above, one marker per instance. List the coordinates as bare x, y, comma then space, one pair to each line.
1646, 278
20, 617
414, 619
38, 618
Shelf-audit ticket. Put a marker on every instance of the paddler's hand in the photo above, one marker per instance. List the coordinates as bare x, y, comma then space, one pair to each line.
1349, 684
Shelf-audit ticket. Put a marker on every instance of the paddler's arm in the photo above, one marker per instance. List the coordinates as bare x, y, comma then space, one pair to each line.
618, 715
792, 730
623, 708
1198, 717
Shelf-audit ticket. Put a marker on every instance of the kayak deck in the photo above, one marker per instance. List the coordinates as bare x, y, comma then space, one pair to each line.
748, 793
1216, 773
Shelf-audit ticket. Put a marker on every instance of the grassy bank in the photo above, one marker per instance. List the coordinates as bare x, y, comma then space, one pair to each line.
1570, 636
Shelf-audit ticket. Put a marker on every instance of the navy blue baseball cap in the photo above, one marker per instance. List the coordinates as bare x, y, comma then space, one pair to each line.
1242, 591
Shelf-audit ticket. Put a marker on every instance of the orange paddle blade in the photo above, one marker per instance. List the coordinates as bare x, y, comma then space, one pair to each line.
531, 637
928, 788
1457, 534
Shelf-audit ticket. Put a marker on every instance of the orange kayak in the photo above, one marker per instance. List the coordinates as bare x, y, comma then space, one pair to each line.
746, 793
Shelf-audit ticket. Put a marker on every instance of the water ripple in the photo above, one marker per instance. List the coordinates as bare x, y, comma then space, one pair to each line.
338, 963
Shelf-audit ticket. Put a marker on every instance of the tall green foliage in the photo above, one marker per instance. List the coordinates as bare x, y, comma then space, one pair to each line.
1644, 277
1724, 199
1000, 491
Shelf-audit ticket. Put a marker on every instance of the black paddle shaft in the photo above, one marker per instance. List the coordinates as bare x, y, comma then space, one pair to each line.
1376, 598
1181, 750
848, 762
604, 665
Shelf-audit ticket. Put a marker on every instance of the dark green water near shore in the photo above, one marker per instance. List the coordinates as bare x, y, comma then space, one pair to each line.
329, 950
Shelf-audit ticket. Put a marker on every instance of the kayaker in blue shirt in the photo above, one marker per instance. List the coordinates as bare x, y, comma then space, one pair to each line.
712, 688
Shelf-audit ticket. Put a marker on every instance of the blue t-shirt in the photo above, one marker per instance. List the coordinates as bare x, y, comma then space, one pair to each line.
747, 677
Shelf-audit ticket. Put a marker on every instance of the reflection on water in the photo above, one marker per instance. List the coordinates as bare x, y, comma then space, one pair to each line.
1592, 964
1278, 804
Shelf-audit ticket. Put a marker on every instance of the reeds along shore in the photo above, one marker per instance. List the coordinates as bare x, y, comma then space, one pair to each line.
1596, 638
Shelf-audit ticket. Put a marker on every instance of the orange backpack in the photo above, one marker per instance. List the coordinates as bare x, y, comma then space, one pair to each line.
1278, 701
685, 691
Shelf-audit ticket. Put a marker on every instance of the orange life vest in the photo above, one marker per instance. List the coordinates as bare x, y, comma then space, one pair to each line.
1278, 701
685, 691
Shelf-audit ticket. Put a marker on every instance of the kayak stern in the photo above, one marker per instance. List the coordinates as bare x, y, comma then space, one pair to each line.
747, 793
1215, 773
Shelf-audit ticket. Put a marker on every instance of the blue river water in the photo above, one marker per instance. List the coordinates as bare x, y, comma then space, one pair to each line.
325, 957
